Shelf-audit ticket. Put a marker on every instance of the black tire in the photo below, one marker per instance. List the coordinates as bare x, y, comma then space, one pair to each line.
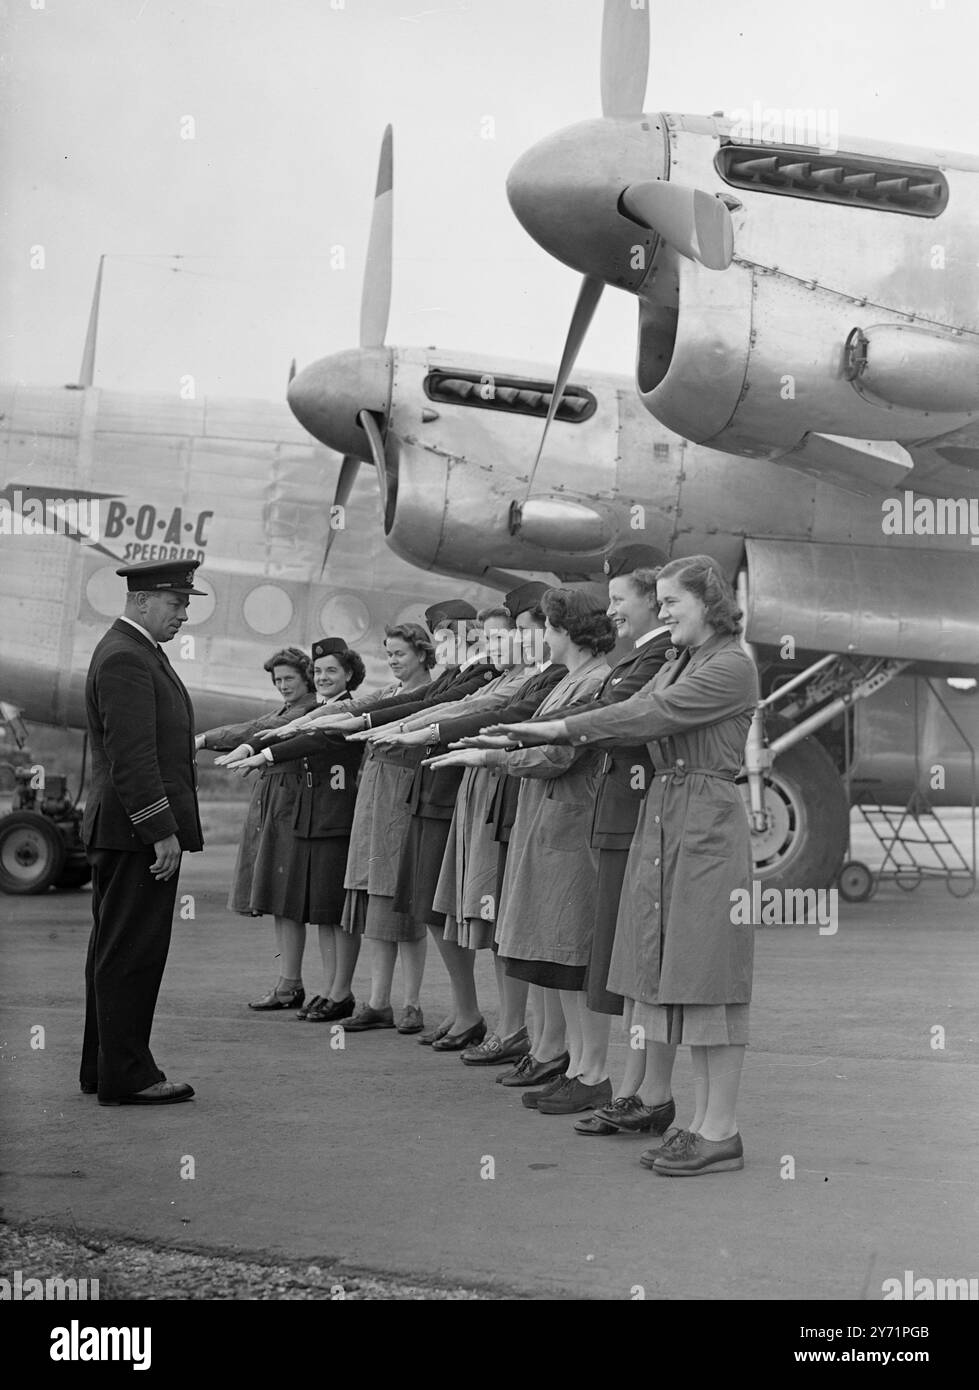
809, 820
856, 883
32, 853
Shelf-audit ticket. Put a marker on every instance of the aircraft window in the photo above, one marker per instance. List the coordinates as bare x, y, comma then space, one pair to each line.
346, 616
967, 684
834, 178
267, 609
514, 394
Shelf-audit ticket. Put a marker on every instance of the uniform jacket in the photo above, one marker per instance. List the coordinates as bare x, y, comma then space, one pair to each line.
548, 902
452, 685
467, 882
227, 736
675, 942
141, 730
328, 790
626, 771
433, 792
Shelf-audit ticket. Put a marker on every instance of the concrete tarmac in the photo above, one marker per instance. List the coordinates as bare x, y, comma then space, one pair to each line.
857, 1113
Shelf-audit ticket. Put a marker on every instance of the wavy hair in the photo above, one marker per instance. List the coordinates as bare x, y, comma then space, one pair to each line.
296, 659
581, 617
643, 580
352, 664
704, 578
418, 639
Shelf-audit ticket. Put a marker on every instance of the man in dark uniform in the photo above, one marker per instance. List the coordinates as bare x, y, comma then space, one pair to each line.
141, 813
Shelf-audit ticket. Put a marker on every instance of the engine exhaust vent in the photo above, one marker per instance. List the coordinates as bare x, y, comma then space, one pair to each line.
798, 172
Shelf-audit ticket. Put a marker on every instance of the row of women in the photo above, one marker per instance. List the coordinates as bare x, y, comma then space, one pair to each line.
579, 821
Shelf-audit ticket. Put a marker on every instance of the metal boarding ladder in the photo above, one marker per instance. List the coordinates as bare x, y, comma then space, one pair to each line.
914, 838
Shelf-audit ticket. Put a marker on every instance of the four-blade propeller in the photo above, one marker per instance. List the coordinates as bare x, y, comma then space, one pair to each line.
693, 222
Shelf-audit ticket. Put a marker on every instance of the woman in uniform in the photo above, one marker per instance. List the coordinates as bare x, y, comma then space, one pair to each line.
681, 954
273, 796
548, 900
316, 860
379, 822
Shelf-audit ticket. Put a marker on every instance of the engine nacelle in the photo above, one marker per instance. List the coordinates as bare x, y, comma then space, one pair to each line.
901, 364
751, 362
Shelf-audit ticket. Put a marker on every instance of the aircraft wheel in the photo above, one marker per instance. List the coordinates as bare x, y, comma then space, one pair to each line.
856, 882
808, 820
32, 853
960, 885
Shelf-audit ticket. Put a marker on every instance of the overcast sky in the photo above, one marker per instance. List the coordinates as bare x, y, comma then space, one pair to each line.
289, 99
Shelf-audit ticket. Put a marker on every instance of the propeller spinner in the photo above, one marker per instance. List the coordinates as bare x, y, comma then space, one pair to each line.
581, 194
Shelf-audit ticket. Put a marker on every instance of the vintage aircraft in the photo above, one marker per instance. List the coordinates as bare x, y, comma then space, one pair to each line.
91, 479
847, 505
835, 604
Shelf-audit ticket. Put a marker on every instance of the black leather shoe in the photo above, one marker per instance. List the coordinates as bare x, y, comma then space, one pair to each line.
160, 1093
531, 1098
530, 1072
593, 1125
331, 1010
280, 999
579, 1096
371, 1018
433, 1035
675, 1144
628, 1115
458, 1042
304, 1011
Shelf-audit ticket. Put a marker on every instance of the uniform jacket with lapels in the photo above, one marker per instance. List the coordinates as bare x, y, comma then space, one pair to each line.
675, 942
141, 727
433, 791
452, 684
328, 788
625, 772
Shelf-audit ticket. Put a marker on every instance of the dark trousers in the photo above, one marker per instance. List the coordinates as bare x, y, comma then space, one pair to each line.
127, 952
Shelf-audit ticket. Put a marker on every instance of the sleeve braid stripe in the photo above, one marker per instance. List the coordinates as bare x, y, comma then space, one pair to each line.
150, 811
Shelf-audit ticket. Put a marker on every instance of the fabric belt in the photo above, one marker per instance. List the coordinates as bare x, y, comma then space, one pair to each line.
680, 770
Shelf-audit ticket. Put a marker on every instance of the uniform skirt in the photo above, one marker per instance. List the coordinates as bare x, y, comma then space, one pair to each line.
696, 1025
419, 869
611, 876
467, 891
546, 973
266, 846
472, 933
374, 915
314, 872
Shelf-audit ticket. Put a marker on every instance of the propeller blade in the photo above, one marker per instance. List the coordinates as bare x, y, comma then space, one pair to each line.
345, 485
371, 428
86, 373
584, 311
693, 222
375, 300
292, 371
625, 58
